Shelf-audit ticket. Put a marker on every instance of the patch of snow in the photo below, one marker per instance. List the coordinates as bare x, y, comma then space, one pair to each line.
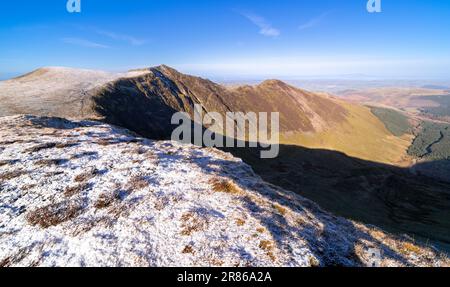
49, 91
89, 194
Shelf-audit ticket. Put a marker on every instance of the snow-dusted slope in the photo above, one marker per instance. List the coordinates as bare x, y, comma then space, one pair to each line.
90, 194
55, 91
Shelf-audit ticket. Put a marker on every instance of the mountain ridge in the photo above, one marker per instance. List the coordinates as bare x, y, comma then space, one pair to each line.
162, 90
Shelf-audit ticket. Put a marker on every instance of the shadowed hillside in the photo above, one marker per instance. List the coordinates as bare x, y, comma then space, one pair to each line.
387, 196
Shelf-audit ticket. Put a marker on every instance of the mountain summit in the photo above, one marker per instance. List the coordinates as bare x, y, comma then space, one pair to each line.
144, 101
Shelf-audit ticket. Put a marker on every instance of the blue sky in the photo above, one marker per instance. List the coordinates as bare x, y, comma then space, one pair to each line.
228, 38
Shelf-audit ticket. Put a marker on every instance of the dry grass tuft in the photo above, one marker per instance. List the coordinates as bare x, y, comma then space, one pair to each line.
161, 203
268, 247
105, 142
41, 147
29, 186
87, 175
51, 162
137, 183
240, 222
10, 142
6, 162
119, 210
6, 262
280, 209
16, 258
66, 145
377, 234
215, 262
188, 250
301, 221
407, 248
54, 214
73, 190
11, 174
54, 173
192, 223
104, 201
225, 186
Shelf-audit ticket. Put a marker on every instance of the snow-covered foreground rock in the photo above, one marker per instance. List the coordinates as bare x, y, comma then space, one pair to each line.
90, 194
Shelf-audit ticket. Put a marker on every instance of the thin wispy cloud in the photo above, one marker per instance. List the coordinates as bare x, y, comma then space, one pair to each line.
313, 22
84, 43
120, 37
265, 28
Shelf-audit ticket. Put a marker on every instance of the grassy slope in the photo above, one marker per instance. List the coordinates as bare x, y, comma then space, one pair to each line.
363, 136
